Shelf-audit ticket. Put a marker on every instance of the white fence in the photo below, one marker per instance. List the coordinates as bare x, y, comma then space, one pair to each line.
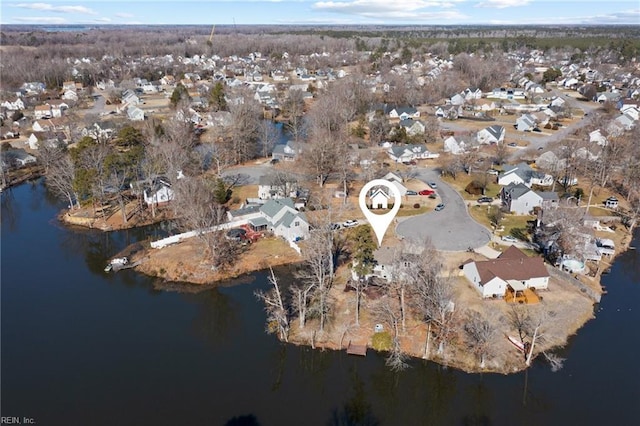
185, 235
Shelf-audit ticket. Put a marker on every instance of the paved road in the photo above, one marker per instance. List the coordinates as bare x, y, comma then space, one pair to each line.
451, 229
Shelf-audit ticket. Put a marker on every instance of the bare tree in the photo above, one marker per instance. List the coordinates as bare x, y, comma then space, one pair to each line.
60, 174
480, 333
318, 270
387, 311
268, 136
277, 318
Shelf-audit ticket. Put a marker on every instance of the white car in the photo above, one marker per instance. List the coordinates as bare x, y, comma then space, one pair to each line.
349, 223
509, 239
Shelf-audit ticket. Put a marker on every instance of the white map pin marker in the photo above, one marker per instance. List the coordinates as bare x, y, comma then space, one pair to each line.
380, 222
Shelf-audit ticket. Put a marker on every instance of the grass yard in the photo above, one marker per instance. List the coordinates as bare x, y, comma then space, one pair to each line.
509, 221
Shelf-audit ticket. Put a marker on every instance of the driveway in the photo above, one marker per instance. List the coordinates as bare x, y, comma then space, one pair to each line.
451, 229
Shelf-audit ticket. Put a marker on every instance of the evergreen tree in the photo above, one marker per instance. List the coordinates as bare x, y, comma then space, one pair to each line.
363, 248
179, 93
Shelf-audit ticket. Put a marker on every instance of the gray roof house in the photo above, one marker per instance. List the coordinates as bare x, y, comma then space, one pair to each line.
520, 199
282, 219
525, 123
400, 153
285, 152
522, 173
491, 134
402, 112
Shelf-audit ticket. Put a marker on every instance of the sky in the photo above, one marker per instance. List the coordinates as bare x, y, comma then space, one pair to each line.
322, 12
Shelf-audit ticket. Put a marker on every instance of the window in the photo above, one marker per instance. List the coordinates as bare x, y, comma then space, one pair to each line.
296, 223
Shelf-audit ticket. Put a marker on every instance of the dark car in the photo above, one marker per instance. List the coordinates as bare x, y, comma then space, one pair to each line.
439, 207
409, 163
485, 200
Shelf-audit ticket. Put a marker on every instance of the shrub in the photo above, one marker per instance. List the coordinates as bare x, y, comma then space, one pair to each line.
416, 206
382, 341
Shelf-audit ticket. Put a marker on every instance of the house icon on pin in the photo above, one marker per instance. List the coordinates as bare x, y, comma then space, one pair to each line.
379, 199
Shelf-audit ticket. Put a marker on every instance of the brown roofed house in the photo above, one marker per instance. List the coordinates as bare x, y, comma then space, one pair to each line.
512, 269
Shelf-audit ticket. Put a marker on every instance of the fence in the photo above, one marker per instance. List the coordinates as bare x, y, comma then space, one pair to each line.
564, 276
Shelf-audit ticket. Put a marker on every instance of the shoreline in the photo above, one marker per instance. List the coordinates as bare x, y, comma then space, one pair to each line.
193, 274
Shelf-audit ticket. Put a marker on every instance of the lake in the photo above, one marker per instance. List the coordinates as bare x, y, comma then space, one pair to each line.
82, 347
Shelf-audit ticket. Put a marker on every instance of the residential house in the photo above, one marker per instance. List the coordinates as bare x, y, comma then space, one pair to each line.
523, 173
402, 153
550, 199
512, 269
68, 85
16, 158
519, 198
413, 127
129, 98
608, 97
159, 193
457, 100
597, 137
58, 107
14, 105
472, 93
403, 112
449, 112
275, 187
70, 95
285, 152
42, 111
491, 134
525, 123
106, 84
134, 113
282, 219
454, 147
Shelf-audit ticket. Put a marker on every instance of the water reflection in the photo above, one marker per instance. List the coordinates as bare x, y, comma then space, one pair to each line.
357, 410
217, 319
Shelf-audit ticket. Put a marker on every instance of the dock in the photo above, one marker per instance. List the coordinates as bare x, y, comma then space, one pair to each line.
360, 350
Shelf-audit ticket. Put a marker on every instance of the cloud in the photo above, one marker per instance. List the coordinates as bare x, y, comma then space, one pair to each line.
59, 9
102, 20
124, 15
408, 10
51, 20
502, 4
628, 17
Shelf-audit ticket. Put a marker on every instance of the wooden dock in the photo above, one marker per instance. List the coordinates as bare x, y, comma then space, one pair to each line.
353, 349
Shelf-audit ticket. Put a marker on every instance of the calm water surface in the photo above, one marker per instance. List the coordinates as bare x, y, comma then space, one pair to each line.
81, 347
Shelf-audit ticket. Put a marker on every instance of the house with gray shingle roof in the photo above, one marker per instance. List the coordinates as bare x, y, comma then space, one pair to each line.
491, 134
282, 219
525, 123
520, 199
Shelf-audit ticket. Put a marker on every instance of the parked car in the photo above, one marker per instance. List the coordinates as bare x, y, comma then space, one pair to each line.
509, 239
426, 192
433, 185
439, 207
485, 200
493, 172
274, 161
411, 193
409, 163
350, 223
335, 226
512, 144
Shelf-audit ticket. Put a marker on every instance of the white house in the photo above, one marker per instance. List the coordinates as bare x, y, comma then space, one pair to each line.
522, 173
134, 113
491, 134
597, 137
274, 187
413, 127
512, 269
159, 194
286, 152
453, 146
16, 105
404, 112
520, 199
402, 153
42, 111
525, 123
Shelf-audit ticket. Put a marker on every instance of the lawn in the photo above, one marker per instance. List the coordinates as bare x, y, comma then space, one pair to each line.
509, 221
462, 180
